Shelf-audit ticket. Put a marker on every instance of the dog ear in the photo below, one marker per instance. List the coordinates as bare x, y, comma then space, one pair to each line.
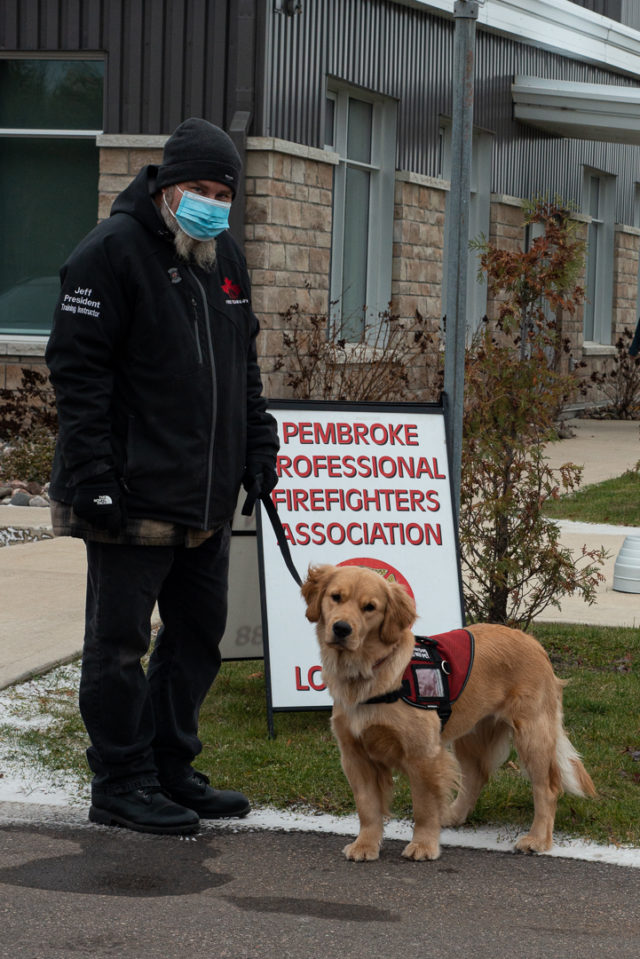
399, 614
313, 589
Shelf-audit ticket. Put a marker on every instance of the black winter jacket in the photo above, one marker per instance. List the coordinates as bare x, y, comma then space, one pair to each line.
154, 366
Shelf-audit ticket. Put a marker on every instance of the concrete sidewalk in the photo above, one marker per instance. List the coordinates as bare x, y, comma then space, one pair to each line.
605, 449
43, 583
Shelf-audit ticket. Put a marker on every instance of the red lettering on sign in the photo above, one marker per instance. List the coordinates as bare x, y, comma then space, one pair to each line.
305, 432
283, 466
312, 682
319, 686
436, 474
360, 432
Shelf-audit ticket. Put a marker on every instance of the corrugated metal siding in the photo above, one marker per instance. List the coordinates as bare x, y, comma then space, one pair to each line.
527, 162
396, 51
165, 59
405, 53
608, 8
631, 13
168, 59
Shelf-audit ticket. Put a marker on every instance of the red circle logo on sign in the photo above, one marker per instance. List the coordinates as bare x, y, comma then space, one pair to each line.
384, 569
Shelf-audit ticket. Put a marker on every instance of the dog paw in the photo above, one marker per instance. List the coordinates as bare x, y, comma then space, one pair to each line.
530, 844
420, 851
361, 852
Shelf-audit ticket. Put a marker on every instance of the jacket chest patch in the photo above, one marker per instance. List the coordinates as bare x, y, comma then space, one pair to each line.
233, 293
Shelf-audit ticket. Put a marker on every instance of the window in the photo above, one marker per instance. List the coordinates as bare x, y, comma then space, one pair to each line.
361, 129
50, 114
479, 219
598, 201
533, 232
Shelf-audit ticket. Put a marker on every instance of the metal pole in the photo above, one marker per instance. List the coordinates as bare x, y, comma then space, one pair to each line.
465, 14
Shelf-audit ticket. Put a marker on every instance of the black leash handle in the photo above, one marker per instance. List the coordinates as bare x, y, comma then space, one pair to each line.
272, 513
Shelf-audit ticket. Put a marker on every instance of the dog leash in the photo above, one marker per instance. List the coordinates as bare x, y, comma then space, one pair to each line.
272, 513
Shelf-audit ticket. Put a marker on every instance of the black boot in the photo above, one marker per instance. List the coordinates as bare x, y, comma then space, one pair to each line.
194, 792
144, 810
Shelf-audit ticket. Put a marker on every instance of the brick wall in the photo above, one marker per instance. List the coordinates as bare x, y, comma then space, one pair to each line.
418, 250
120, 162
11, 367
507, 232
625, 286
287, 240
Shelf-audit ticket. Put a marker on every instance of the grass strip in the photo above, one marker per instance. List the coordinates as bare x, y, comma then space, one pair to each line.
300, 768
615, 501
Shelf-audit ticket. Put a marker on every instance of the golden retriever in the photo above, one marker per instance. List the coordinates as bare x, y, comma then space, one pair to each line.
363, 628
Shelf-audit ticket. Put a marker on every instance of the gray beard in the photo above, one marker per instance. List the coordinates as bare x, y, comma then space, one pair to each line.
202, 252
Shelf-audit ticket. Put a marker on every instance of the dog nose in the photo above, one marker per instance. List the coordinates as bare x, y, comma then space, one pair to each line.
341, 630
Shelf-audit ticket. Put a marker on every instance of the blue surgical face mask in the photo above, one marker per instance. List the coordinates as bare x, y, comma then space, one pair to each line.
200, 217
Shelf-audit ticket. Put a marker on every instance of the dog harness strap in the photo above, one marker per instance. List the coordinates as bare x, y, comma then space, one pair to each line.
427, 679
437, 673
391, 697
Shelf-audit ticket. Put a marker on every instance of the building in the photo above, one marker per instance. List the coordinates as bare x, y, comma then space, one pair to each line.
341, 110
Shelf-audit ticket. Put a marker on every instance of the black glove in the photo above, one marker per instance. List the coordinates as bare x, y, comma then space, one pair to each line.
258, 480
99, 501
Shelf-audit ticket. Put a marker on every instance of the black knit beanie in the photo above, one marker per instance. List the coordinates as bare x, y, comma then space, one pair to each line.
198, 150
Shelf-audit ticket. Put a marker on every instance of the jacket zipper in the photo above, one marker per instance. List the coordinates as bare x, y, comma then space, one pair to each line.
195, 328
214, 396
126, 468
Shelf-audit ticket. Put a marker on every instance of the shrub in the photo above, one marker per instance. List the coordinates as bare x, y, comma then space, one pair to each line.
620, 383
31, 404
382, 365
513, 563
537, 286
28, 428
29, 458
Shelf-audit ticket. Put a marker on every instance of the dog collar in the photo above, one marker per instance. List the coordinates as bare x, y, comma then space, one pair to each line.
383, 660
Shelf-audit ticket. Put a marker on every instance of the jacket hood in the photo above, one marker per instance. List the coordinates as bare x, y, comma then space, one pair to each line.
137, 201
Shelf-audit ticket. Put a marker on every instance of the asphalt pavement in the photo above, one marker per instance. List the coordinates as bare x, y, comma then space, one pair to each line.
93, 892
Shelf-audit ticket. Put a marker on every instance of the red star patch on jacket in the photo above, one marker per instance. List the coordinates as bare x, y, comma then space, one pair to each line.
231, 289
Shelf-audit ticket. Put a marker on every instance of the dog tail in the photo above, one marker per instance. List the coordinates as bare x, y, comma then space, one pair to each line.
574, 777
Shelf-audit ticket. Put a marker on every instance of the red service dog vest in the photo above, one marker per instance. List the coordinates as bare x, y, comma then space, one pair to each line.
436, 674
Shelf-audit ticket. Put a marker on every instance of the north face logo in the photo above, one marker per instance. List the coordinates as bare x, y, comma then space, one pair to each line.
231, 289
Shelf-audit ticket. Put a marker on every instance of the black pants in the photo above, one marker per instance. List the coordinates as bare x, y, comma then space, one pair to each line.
144, 727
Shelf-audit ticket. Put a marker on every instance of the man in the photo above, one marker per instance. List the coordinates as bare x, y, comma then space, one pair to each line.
153, 360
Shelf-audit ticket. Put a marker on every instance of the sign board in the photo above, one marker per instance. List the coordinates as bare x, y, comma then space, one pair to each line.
364, 484
243, 634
